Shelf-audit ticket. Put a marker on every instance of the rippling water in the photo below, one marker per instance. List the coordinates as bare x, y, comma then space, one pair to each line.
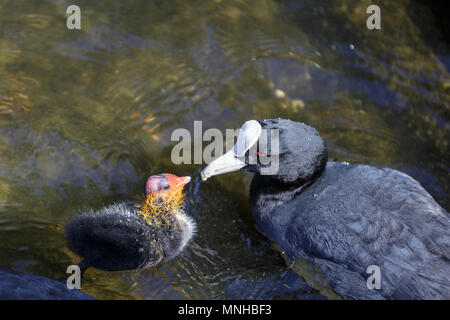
86, 116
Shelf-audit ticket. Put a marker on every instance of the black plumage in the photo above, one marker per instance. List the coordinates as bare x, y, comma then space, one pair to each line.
347, 217
115, 238
14, 286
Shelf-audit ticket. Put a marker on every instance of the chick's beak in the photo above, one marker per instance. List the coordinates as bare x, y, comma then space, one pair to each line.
180, 182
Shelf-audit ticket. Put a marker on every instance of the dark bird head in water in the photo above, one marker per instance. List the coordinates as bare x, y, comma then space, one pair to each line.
126, 236
285, 151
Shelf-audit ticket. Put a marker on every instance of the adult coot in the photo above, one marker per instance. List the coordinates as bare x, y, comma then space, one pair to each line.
127, 236
344, 217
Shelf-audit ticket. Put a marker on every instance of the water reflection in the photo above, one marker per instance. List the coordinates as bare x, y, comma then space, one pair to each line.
86, 116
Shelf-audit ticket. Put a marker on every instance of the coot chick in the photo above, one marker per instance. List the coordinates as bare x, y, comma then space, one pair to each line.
126, 236
14, 286
344, 217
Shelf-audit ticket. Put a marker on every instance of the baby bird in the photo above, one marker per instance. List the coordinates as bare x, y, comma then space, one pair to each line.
126, 236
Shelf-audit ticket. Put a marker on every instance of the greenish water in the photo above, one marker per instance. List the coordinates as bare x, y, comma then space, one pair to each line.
86, 116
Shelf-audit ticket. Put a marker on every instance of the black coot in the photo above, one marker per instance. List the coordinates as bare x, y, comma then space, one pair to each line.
126, 236
344, 217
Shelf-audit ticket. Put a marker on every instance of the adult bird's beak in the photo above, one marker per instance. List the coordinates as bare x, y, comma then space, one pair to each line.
226, 163
233, 159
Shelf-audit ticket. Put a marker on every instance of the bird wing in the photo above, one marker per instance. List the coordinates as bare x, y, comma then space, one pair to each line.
404, 231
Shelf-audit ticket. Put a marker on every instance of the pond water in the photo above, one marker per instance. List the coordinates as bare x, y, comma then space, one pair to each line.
86, 116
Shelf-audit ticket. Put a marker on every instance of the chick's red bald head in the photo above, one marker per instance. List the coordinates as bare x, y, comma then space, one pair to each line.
164, 182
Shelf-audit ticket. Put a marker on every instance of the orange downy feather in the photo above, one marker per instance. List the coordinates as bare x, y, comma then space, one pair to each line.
159, 208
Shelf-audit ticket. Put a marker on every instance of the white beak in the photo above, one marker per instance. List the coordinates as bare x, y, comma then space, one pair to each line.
233, 160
